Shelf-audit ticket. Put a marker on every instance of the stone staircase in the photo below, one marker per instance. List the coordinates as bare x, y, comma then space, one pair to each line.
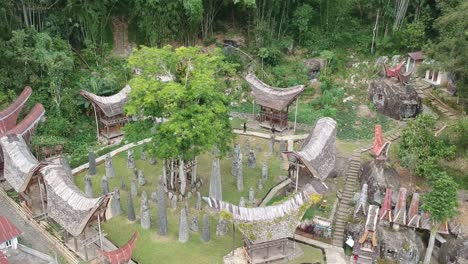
423, 90
344, 207
365, 257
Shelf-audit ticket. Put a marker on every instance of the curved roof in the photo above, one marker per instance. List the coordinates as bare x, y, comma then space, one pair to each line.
318, 152
66, 204
19, 163
26, 127
9, 115
110, 105
263, 213
122, 254
273, 97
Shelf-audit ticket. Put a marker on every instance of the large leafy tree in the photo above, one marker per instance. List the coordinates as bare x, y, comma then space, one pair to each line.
193, 102
441, 202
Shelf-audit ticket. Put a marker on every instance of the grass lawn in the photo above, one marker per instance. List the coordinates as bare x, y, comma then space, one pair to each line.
152, 248
311, 255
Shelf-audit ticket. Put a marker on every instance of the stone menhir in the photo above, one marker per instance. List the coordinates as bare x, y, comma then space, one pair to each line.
215, 181
104, 186
242, 202
194, 224
260, 184
252, 160
182, 177
130, 159
116, 207
92, 163
141, 178
199, 202
135, 173
123, 186
134, 189
88, 187
235, 160
247, 146
265, 170
162, 211
206, 236
251, 196
183, 226
152, 161
221, 228
110, 173
240, 175
143, 155
272, 144
145, 212
394, 99
130, 209
174, 202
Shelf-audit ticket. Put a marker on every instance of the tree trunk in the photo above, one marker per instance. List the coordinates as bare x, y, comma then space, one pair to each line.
374, 32
430, 246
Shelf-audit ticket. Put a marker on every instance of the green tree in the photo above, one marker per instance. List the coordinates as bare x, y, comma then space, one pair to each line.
420, 149
441, 203
193, 102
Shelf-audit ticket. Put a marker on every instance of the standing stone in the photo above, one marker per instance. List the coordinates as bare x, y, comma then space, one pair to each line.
104, 186
265, 170
247, 146
221, 228
92, 163
174, 202
194, 172
252, 160
162, 211
240, 175
154, 196
258, 149
251, 196
242, 202
141, 178
199, 201
182, 177
183, 226
134, 189
260, 184
135, 173
206, 236
110, 173
130, 209
272, 144
130, 159
143, 155
235, 160
215, 181
152, 161
88, 187
194, 224
145, 219
116, 207
123, 186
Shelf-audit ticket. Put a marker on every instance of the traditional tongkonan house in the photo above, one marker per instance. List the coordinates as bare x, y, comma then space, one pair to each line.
123, 254
414, 60
274, 102
21, 170
399, 214
380, 147
109, 112
413, 211
10, 114
365, 251
70, 208
316, 159
386, 211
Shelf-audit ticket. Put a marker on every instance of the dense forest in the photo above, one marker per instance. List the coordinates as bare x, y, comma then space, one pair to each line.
61, 46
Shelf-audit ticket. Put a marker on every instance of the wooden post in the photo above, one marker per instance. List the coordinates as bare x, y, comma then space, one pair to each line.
295, 114
297, 176
85, 246
97, 124
75, 244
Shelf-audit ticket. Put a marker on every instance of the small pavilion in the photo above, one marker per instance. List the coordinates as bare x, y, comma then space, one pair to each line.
274, 102
109, 112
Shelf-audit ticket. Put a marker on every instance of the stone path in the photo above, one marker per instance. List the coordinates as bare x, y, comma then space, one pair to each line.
423, 89
333, 254
344, 206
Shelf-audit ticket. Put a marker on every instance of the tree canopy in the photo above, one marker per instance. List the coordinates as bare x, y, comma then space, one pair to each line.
192, 101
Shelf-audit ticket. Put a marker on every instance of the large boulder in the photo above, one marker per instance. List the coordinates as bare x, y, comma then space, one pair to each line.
403, 246
379, 175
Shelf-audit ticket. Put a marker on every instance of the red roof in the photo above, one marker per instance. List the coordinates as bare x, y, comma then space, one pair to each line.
378, 140
3, 258
123, 254
417, 55
7, 229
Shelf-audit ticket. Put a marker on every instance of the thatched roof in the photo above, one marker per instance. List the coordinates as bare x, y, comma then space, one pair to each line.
273, 97
110, 105
19, 163
9, 115
66, 204
372, 218
318, 152
27, 126
417, 55
263, 213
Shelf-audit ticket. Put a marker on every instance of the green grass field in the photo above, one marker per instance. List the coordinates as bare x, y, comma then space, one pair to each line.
152, 248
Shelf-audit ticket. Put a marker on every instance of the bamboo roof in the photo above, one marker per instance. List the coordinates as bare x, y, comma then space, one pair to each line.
66, 204
19, 163
110, 105
318, 152
273, 97
9, 115
122, 254
27, 126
